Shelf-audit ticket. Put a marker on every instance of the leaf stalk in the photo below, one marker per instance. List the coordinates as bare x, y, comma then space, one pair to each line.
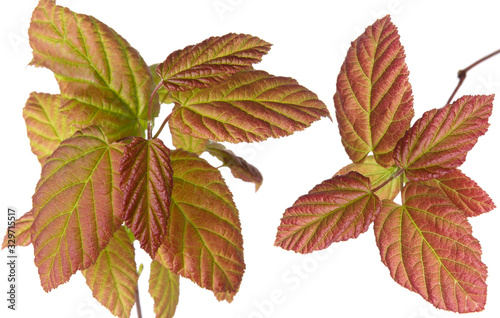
150, 119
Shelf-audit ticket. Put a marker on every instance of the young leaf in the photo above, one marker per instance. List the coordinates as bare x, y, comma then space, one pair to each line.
374, 102
113, 278
463, 192
377, 175
146, 182
336, 210
428, 246
22, 229
211, 61
76, 205
204, 241
46, 126
164, 288
187, 142
249, 106
439, 141
239, 167
95, 67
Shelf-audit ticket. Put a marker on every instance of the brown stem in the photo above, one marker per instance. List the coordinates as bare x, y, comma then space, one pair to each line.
138, 302
150, 119
394, 176
163, 125
463, 73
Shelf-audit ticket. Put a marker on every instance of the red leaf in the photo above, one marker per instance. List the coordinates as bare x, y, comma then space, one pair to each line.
211, 61
75, 205
204, 241
22, 229
428, 246
463, 192
249, 106
146, 182
439, 141
335, 210
374, 102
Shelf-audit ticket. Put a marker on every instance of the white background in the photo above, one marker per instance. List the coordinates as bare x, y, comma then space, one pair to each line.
310, 41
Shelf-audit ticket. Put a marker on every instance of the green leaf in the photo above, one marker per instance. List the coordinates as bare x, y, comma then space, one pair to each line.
335, 210
204, 241
439, 141
113, 277
146, 182
428, 246
249, 106
22, 230
374, 102
107, 79
164, 288
46, 125
188, 142
211, 61
377, 175
76, 205
239, 167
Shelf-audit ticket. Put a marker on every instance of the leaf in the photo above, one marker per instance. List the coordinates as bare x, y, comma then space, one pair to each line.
113, 278
187, 142
22, 229
46, 126
336, 210
239, 167
249, 106
428, 246
146, 182
164, 288
95, 67
377, 175
463, 192
374, 102
75, 205
163, 93
204, 241
439, 141
211, 61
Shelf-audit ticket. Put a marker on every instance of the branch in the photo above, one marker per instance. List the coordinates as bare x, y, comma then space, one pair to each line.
463, 73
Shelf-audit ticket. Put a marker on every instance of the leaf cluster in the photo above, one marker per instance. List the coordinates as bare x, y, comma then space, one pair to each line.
426, 241
107, 182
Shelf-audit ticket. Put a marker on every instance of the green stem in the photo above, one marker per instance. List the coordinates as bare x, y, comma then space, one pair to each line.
150, 119
394, 176
463, 73
163, 125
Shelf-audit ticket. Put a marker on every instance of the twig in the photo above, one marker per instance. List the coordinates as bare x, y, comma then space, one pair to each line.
150, 128
463, 73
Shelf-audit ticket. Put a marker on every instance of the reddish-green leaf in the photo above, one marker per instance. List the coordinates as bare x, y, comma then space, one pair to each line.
211, 61
377, 175
113, 278
374, 102
336, 210
164, 288
204, 241
428, 246
188, 142
76, 205
146, 182
463, 192
22, 231
249, 106
46, 126
439, 141
106, 78
239, 167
